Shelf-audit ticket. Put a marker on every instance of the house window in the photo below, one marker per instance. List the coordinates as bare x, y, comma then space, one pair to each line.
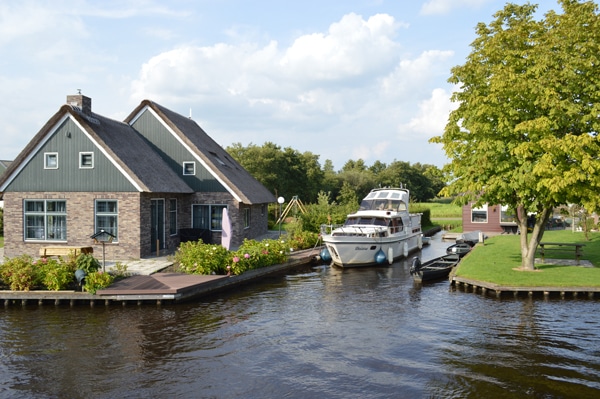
51, 160
106, 217
45, 220
246, 218
86, 160
172, 216
189, 168
208, 217
479, 215
507, 216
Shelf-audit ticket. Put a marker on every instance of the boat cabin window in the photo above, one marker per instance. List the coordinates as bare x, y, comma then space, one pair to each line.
395, 205
396, 225
380, 222
366, 221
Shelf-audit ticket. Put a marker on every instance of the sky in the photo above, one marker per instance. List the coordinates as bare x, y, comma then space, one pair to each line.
342, 79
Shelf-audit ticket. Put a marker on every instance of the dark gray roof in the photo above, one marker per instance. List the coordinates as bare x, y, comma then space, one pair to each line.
123, 144
132, 152
237, 180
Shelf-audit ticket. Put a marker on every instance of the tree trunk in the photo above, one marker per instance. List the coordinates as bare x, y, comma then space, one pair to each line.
529, 244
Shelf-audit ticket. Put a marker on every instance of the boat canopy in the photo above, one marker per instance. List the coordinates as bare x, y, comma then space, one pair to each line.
385, 200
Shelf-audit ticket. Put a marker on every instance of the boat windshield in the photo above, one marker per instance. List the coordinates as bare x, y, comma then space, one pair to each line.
366, 221
385, 204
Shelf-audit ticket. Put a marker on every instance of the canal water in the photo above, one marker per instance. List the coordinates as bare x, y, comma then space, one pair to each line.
318, 332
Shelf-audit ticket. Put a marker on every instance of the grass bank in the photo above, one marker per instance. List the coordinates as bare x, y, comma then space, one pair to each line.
496, 262
445, 215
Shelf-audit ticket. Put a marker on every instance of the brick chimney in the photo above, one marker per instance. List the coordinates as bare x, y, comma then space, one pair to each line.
81, 101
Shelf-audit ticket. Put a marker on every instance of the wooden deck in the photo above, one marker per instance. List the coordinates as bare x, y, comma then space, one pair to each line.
485, 288
158, 287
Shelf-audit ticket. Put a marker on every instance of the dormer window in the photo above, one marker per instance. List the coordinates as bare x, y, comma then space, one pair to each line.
86, 160
189, 168
51, 160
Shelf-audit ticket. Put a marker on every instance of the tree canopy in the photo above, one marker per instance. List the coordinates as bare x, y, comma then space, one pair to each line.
287, 172
525, 132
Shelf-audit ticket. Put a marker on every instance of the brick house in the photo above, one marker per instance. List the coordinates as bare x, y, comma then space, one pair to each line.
3, 166
151, 181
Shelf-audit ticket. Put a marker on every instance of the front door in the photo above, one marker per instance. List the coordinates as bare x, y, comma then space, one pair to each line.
157, 222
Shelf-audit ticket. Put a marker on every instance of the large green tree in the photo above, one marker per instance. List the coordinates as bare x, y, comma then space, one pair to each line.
285, 172
525, 132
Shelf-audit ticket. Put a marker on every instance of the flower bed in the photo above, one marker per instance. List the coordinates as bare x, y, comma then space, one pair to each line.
200, 258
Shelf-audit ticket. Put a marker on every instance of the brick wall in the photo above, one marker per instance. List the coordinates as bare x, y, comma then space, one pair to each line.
80, 224
134, 222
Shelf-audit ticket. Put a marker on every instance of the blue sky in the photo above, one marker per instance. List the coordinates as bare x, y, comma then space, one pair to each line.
347, 79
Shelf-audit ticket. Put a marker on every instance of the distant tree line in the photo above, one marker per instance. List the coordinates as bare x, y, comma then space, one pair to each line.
287, 172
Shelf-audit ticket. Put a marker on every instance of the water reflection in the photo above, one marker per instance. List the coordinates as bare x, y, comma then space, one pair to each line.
318, 332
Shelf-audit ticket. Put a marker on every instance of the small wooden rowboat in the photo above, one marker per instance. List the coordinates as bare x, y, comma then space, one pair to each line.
433, 269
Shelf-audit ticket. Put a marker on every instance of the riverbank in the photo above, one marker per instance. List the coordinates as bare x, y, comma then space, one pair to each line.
495, 267
158, 288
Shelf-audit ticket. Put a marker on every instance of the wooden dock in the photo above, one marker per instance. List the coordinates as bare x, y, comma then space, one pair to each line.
498, 291
157, 288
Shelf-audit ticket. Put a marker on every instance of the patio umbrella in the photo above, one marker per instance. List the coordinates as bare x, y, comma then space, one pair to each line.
226, 230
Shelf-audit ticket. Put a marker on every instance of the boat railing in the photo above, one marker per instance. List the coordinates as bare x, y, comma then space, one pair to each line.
326, 229
353, 230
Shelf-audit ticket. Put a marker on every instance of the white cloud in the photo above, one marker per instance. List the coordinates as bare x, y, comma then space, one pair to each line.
345, 91
433, 114
323, 93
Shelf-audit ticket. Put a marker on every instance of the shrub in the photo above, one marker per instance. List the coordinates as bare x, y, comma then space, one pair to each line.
304, 240
325, 212
254, 254
55, 275
426, 217
87, 263
96, 281
200, 258
120, 271
20, 273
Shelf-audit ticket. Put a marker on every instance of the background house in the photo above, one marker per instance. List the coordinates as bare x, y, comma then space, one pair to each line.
147, 181
488, 218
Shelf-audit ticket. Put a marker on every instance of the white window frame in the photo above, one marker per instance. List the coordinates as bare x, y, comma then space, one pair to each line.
81, 163
186, 166
483, 209
53, 226
47, 157
113, 215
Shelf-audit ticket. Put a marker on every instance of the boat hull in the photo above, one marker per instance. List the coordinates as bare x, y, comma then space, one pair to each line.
360, 252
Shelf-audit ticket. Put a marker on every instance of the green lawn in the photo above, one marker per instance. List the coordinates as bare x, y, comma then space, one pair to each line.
442, 210
1, 242
495, 262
